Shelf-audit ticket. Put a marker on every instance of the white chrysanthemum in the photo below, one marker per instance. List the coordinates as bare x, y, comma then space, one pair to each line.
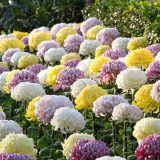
68, 119
9, 126
43, 75
15, 58
84, 65
131, 78
26, 91
125, 111
88, 47
4, 36
104, 105
2, 114
80, 84
54, 54
157, 58
120, 43
3, 79
155, 92
40, 29
110, 158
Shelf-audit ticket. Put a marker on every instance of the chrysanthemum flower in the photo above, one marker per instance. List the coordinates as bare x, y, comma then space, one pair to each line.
111, 158
72, 63
3, 79
101, 49
25, 40
155, 92
70, 56
36, 68
19, 35
14, 156
154, 48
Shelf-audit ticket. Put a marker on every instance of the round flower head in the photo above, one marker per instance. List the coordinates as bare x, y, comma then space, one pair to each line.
3, 79
88, 149
40, 29
104, 105
45, 46
88, 47
77, 27
101, 49
30, 112
107, 35
80, 84
120, 43
13, 156
110, 158
68, 119
154, 48
149, 148
63, 33
56, 28
18, 143
16, 56
36, 68
68, 76
47, 105
137, 43
97, 63
146, 127
26, 91
53, 73
23, 76
54, 54
9, 43
126, 112
37, 37
8, 54
3, 69
89, 23
140, 58
72, 63
2, 114
70, 56
72, 43
144, 100
87, 96
5, 36
9, 126
72, 140
110, 70
155, 92
19, 35
92, 32
115, 54
84, 65
153, 71
25, 40
27, 60
131, 78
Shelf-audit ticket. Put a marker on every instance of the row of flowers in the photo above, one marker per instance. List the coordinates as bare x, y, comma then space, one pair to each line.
60, 77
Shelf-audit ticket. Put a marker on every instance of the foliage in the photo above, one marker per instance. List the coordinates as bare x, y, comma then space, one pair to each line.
132, 18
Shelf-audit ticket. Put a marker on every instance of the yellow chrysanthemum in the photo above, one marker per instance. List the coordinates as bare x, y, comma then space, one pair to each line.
146, 127
137, 42
36, 38
101, 49
70, 56
19, 35
9, 77
92, 32
87, 96
53, 73
143, 99
3, 64
8, 43
71, 141
139, 58
18, 143
64, 33
30, 115
97, 63
27, 60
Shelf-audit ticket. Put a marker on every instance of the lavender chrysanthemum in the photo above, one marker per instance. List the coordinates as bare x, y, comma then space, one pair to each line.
36, 68
149, 148
110, 70
153, 71
115, 54
8, 55
25, 40
45, 46
23, 76
3, 69
72, 43
13, 156
154, 48
88, 150
72, 63
67, 77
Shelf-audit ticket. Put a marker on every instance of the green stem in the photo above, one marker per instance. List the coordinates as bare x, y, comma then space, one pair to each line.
125, 140
52, 143
40, 131
113, 137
